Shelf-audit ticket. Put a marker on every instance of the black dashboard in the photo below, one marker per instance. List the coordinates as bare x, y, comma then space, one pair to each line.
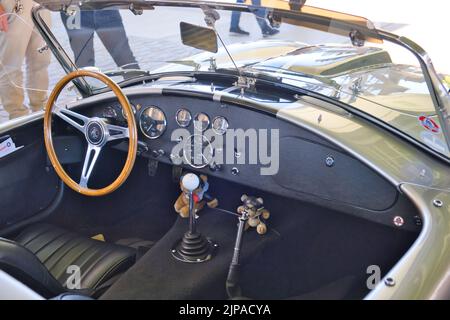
307, 167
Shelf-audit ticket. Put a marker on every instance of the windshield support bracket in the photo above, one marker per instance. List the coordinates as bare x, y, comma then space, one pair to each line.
245, 83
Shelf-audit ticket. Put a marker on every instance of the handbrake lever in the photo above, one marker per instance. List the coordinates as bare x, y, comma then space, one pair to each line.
232, 284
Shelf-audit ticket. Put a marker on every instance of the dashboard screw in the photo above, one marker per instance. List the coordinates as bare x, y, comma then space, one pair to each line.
329, 161
390, 282
438, 203
398, 221
418, 221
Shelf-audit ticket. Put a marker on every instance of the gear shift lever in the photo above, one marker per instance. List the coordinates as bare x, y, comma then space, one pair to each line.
193, 247
191, 182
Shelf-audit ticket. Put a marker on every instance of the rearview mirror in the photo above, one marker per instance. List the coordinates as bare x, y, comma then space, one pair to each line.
198, 37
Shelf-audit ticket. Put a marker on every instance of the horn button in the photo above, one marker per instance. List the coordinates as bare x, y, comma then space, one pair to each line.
95, 133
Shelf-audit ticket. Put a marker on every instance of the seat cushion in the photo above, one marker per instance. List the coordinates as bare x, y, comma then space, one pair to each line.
58, 249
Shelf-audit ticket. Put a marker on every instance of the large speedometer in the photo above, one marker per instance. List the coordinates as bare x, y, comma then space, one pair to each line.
152, 122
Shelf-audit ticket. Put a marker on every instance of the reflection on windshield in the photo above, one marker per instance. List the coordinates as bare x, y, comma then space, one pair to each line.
381, 79
108, 26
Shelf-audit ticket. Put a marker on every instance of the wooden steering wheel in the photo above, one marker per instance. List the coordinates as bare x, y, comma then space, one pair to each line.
96, 131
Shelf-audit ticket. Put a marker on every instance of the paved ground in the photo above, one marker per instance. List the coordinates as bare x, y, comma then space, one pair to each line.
423, 23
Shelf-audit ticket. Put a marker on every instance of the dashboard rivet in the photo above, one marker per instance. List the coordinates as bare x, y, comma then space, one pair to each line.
390, 282
329, 161
398, 221
438, 203
418, 221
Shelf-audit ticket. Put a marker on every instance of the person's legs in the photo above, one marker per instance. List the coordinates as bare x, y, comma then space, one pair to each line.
261, 18
82, 39
110, 30
235, 19
260, 15
37, 68
13, 45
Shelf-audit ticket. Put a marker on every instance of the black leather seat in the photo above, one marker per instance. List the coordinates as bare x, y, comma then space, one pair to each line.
41, 254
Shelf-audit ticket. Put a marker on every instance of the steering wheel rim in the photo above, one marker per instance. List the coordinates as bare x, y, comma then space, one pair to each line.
95, 142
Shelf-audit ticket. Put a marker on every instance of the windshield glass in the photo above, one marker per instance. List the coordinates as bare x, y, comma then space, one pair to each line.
381, 79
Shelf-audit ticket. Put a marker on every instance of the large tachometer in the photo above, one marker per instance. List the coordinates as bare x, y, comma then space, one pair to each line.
152, 122
198, 151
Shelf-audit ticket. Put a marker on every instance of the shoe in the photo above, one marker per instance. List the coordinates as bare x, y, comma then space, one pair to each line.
239, 31
270, 32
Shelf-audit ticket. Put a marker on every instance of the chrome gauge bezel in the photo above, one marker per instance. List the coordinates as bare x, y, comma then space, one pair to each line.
178, 121
216, 131
207, 151
144, 110
110, 109
133, 108
196, 121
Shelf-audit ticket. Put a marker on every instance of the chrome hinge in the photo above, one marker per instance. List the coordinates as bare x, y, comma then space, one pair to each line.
245, 83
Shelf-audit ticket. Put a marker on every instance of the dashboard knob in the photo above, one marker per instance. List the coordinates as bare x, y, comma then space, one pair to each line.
158, 153
190, 182
234, 171
215, 167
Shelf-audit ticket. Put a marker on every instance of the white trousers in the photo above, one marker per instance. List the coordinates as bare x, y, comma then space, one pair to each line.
18, 45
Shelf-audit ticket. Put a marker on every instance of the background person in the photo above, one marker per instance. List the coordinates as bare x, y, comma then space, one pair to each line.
19, 42
109, 27
260, 15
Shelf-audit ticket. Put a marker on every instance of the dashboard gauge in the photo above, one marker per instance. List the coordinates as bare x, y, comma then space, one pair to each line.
201, 121
220, 125
198, 151
109, 113
133, 108
183, 118
152, 122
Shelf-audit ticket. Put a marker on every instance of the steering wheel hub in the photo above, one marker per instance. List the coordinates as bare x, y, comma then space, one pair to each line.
95, 133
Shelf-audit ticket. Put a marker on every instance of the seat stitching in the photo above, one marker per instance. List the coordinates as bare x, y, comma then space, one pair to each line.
48, 243
35, 236
79, 255
60, 248
96, 262
110, 271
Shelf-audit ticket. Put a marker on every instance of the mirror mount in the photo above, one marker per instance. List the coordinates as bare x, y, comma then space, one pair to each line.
211, 16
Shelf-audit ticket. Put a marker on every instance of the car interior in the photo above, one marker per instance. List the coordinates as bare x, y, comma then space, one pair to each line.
329, 221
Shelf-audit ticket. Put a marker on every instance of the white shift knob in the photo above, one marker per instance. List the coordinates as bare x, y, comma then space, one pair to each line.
190, 182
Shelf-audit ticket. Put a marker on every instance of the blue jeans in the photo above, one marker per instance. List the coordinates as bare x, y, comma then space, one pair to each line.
260, 15
109, 27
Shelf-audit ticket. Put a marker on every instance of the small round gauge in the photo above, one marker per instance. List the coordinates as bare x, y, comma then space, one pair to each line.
109, 113
132, 108
201, 121
153, 122
183, 118
220, 125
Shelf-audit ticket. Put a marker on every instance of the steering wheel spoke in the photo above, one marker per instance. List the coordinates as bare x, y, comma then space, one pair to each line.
117, 132
90, 160
67, 115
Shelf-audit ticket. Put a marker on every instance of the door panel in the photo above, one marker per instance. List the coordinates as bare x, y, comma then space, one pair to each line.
27, 184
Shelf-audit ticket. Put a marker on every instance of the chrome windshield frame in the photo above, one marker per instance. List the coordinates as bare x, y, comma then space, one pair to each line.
291, 15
